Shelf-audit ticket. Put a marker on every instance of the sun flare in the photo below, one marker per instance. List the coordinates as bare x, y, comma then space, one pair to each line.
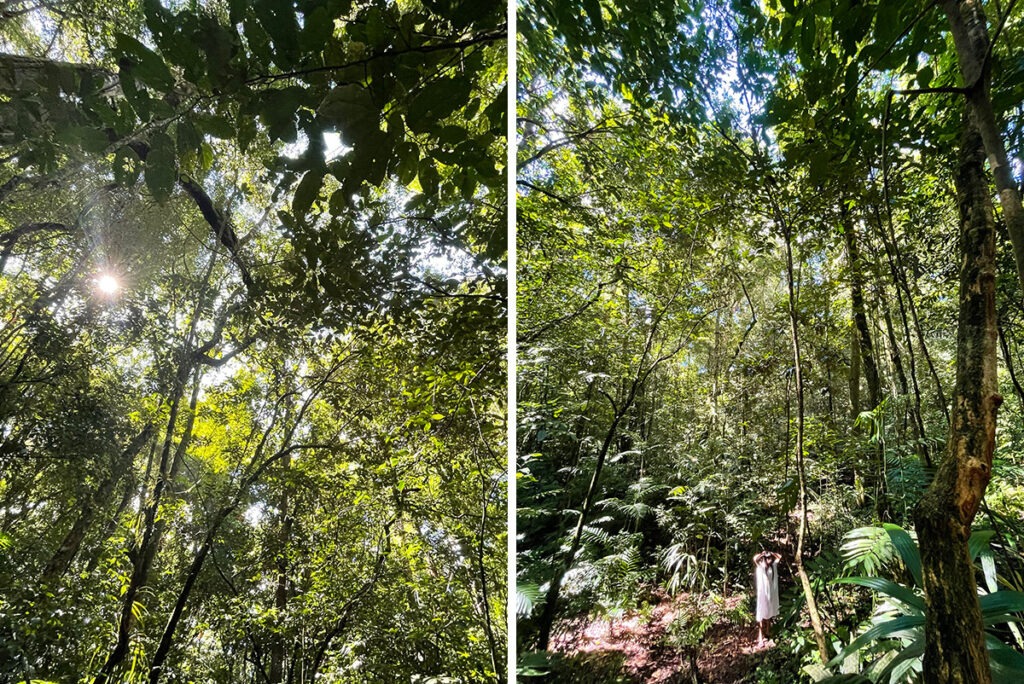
107, 284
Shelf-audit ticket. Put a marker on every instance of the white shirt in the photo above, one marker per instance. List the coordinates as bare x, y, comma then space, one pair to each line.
766, 574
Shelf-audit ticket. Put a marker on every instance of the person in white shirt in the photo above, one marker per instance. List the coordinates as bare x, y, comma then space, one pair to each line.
766, 575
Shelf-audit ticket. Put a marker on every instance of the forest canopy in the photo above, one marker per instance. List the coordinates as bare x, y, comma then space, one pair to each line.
785, 241
252, 332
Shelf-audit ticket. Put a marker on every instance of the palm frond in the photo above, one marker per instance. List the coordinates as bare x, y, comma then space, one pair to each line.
528, 597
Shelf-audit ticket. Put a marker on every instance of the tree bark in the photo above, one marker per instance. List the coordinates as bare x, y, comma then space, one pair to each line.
854, 372
970, 36
867, 351
144, 552
903, 287
954, 633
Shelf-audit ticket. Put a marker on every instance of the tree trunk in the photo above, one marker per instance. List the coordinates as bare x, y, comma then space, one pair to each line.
143, 553
805, 582
970, 36
277, 646
167, 638
899, 275
854, 373
547, 618
860, 317
1008, 358
620, 410
867, 352
72, 542
954, 633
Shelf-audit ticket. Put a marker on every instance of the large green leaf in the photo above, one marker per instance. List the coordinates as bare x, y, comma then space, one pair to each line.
146, 65
907, 548
901, 626
1007, 664
528, 596
978, 542
988, 568
306, 192
161, 170
1001, 602
352, 109
914, 650
436, 101
897, 591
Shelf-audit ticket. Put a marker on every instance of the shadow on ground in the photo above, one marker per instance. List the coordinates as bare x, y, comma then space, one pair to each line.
632, 649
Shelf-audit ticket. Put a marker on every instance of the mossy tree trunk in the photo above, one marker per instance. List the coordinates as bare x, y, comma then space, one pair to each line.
954, 633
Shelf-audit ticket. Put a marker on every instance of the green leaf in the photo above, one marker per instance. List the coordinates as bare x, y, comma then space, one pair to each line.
127, 166
351, 108
278, 19
428, 176
978, 542
188, 138
988, 567
889, 628
889, 588
87, 138
914, 650
217, 126
306, 192
925, 76
436, 101
528, 597
206, 162
147, 66
407, 155
318, 26
1007, 664
1001, 602
907, 549
161, 171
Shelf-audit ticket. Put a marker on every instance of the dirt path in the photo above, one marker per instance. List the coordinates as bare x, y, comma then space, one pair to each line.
632, 648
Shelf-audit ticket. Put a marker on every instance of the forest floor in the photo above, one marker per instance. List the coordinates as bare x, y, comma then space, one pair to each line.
633, 648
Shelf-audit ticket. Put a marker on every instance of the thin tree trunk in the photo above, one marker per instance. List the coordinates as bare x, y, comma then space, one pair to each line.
68, 549
547, 618
867, 351
860, 317
260, 465
894, 272
805, 582
144, 553
96, 552
854, 373
620, 410
277, 646
167, 638
955, 649
903, 287
1009, 366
